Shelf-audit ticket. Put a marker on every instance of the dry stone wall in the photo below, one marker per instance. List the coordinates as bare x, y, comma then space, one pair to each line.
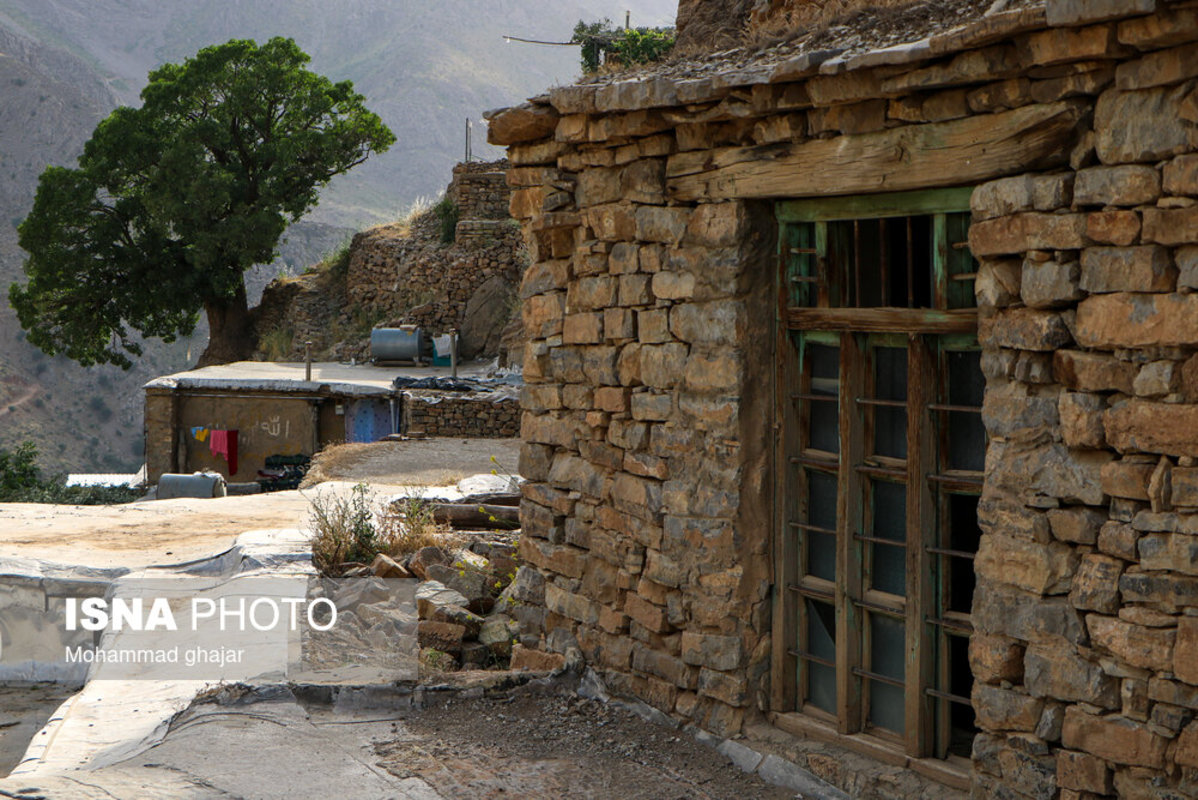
400, 277
475, 416
480, 190
1085, 647
402, 273
647, 424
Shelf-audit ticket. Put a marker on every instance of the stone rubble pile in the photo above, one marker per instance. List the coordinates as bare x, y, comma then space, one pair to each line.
469, 602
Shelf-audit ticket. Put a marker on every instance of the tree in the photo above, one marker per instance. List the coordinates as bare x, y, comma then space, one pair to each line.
172, 202
603, 44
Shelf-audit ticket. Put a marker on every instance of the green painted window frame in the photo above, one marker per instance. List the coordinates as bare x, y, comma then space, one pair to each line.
811, 314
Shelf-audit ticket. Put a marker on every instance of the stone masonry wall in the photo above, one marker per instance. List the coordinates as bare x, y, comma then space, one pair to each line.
476, 417
648, 379
392, 271
402, 276
635, 383
480, 190
402, 273
160, 405
1085, 653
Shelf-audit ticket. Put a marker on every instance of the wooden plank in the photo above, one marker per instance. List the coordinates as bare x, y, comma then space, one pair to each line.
953, 771
955, 153
940, 264
883, 320
785, 626
872, 746
891, 204
848, 549
921, 510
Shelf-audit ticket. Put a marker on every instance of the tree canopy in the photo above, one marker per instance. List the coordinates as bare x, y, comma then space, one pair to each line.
173, 201
602, 43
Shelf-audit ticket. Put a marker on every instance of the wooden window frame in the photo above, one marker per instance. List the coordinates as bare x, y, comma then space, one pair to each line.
808, 312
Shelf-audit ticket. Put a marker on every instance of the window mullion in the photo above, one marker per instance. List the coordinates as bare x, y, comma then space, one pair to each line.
786, 603
853, 365
921, 509
940, 261
826, 297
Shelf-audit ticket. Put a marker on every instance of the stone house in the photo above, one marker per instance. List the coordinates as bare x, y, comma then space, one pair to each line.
285, 409
861, 406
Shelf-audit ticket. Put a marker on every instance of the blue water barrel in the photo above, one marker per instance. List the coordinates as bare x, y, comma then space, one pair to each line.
201, 484
400, 344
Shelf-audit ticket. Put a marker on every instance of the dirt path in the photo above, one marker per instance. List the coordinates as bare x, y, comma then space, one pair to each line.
425, 462
20, 401
526, 744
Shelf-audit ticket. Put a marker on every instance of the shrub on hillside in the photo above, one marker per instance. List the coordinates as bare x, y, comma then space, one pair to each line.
447, 215
604, 45
21, 481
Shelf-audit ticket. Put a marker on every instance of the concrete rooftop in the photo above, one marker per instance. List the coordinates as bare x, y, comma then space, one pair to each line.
335, 377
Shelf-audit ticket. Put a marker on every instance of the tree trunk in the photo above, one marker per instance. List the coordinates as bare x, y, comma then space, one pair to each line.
230, 331
460, 515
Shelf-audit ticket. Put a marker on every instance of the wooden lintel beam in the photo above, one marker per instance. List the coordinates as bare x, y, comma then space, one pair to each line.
882, 320
955, 153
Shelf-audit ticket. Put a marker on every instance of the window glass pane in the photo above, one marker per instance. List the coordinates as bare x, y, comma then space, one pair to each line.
962, 724
966, 434
963, 535
887, 645
821, 512
890, 510
887, 648
821, 499
821, 555
825, 381
966, 384
890, 383
966, 441
801, 236
821, 686
961, 264
889, 568
883, 263
821, 642
886, 706
889, 563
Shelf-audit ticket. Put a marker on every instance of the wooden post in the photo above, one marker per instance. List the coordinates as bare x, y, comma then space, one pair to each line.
921, 515
848, 549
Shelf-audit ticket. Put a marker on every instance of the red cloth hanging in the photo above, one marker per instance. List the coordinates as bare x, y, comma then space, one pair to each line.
223, 443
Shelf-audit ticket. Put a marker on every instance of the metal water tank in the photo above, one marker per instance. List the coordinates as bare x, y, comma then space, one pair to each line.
408, 343
200, 484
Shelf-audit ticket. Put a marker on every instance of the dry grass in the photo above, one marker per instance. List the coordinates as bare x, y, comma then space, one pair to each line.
343, 529
732, 23
334, 462
353, 529
409, 526
786, 18
276, 343
429, 463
